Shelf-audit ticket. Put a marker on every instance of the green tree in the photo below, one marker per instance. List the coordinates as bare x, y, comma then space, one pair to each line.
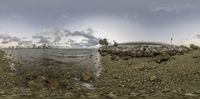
194, 47
115, 44
103, 42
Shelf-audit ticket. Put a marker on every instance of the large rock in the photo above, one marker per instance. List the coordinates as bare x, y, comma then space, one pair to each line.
86, 76
142, 51
42, 82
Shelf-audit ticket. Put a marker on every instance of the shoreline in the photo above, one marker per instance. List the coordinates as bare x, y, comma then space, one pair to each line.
172, 76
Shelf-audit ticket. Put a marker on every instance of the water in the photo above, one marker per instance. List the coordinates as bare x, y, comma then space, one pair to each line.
81, 58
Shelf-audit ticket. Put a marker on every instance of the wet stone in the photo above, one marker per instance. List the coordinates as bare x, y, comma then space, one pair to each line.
86, 76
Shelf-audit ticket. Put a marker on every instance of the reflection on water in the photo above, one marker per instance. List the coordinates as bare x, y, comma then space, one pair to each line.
83, 58
49, 72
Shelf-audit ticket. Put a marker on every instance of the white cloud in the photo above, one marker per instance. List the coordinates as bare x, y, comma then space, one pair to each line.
171, 8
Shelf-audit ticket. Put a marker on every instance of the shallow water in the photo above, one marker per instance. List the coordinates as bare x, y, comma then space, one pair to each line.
83, 58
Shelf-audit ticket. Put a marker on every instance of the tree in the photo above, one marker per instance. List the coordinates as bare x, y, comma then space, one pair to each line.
194, 47
103, 42
115, 44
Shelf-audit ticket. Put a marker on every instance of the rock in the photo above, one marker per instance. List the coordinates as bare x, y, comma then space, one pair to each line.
114, 57
56, 93
2, 92
141, 68
197, 92
86, 76
42, 93
34, 85
162, 59
53, 84
92, 95
12, 74
191, 95
125, 58
133, 94
153, 78
42, 82
150, 67
174, 91
111, 95
18, 91
88, 86
165, 90
195, 56
69, 95
142, 93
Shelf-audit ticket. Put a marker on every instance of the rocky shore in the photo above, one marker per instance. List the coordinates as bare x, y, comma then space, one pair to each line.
143, 51
140, 72
150, 71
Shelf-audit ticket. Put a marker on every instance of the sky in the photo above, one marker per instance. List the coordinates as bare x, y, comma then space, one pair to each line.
81, 23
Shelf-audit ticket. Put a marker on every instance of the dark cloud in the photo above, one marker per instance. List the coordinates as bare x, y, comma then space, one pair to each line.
154, 17
90, 40
56, 35
14, 39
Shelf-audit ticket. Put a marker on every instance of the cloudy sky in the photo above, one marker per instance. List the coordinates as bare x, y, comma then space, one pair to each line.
83, 22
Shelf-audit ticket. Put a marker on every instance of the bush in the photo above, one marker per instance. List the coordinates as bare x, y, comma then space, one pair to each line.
194, 47
115, 44
185, 48
103, 42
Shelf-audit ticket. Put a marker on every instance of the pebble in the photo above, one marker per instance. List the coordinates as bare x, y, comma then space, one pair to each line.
153, 78
111, 95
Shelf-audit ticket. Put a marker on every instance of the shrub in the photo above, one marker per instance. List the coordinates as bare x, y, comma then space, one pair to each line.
115, 44
103, 42
194, 47
185, 48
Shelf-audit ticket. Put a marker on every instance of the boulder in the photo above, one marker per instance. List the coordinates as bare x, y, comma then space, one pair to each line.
153, 78
86, 76
161, 59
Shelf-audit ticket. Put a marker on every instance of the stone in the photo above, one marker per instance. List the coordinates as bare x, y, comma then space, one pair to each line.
133, 94
114, 57
111, 95
86, 76
92, 95
53, 84
69, 95
34, 85
39, 83
42, 93
88, 86
195, 56
153, 78
166, 90
191, 95
162, 59
126, 58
